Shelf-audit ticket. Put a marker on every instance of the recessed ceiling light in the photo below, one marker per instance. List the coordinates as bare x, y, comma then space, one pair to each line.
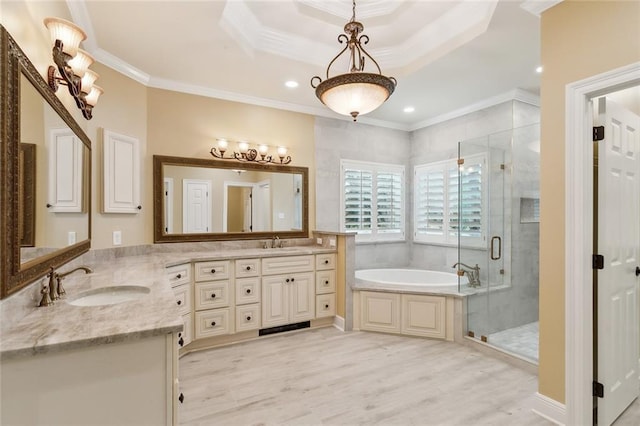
409, 109
539, 69
291, 84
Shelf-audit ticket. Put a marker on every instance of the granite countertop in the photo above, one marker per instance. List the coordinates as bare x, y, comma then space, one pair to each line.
63, 326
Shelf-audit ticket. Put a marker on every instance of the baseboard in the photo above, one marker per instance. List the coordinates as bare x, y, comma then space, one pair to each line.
338, 322
550, 409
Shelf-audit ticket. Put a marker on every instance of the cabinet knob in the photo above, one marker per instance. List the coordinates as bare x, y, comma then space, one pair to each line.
248, 268
293, 279
326, 262
637, 271
181, 398
213, 271
49, 205
139, 207
213, 295
326, 306
179, 276
213, 323
287, 280
249, 318
179, 302
248, 291
326, 282
181, 342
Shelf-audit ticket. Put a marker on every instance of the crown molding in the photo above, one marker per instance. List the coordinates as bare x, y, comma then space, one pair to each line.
80, 16
512, 95
121, 66
536, 7
370, 9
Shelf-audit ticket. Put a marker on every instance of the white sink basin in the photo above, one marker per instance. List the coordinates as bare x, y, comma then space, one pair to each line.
109, 295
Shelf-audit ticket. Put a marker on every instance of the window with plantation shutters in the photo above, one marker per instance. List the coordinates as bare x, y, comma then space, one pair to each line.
450, 200
373, 200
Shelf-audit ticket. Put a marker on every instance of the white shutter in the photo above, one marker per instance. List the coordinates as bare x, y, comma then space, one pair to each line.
358, 193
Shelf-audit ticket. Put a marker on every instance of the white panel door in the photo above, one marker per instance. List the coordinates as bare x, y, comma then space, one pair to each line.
619, 243
65, 172
121, 192
196, 209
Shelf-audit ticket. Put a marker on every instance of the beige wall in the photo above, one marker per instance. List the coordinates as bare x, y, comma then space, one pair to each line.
579, 39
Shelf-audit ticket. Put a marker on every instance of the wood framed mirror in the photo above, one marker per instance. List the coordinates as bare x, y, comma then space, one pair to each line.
45, 217
211, 200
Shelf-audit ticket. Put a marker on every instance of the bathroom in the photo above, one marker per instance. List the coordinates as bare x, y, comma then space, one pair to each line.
168, 122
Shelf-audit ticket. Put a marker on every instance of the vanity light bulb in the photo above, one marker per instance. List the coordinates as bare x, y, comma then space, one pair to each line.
223, 144
92, 97
80, 63
243, 147
87, 81
282, 151
67, 32
263, 149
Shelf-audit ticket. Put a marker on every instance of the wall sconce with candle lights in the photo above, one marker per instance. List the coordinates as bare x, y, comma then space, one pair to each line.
72, 65
247, 154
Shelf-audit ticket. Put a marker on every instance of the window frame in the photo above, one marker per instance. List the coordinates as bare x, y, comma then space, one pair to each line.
376, 235
447, 237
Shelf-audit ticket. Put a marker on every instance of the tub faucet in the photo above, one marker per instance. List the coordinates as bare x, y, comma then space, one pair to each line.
473, 272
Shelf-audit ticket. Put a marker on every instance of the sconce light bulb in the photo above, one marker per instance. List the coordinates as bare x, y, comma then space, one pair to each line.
80, 63
263, 149
282, 151
87, 81
243, 147
92, 97
67, 32
223, 144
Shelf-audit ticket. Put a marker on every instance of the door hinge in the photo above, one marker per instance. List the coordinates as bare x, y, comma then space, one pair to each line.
166, 193
166, 229
460, 161
598, 133
597, 261
598, 389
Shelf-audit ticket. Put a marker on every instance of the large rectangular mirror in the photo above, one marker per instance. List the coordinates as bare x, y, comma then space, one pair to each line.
45, 178
205, 200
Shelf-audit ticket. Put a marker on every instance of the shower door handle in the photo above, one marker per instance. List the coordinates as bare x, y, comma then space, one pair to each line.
493, 239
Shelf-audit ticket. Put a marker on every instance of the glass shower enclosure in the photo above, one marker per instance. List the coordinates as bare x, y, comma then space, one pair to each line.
498, 237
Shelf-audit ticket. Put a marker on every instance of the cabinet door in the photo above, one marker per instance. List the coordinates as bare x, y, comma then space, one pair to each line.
65, 172
275, 301
183, 298
424, 315
380, 311
302, 297
121, 174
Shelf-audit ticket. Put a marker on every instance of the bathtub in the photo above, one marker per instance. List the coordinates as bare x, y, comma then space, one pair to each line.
409, 280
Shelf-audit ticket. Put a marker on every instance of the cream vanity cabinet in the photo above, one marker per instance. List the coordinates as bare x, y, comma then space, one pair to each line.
288, 290
213, 301
248, 290
125, 383
180, 278
325, 285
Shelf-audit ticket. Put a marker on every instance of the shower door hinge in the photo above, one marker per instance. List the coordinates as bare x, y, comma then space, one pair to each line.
598, 133
502, 167
598, 389
460, 161
597, 261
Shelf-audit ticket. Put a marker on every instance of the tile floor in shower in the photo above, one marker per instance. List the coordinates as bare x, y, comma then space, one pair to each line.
521, 340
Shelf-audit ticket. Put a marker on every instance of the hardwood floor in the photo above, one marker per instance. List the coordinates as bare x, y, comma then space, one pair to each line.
326, 377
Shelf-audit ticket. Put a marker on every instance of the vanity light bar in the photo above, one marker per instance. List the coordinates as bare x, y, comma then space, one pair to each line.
247, 154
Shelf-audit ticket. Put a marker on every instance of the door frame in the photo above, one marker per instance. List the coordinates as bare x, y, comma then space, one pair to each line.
579, 235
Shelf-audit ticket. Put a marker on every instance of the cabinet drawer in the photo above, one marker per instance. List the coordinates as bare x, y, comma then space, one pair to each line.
286, 265
247, 268
247, 317
325, 261
179, 274
214, 270
325, 282
183, 298
215, 322
213, 294
247, 290
187, 333
326, 305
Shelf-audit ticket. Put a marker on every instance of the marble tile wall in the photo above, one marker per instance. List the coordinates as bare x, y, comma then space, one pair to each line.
337, 140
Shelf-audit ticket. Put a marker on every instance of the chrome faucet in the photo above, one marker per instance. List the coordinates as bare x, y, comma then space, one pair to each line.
54, 289
473, 273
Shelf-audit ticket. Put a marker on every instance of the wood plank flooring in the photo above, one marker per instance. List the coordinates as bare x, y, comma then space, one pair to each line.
327, 377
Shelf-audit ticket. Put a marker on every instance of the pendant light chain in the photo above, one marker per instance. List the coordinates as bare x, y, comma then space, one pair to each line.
353, 16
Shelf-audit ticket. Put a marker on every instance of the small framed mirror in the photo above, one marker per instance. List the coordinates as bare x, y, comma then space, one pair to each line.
207, 200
